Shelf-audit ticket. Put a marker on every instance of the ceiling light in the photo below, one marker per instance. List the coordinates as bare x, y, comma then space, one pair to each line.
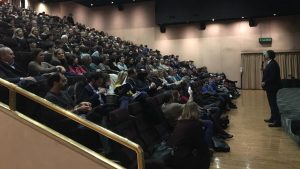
213, 20
92, 4
274, 14
243, 17
112, 2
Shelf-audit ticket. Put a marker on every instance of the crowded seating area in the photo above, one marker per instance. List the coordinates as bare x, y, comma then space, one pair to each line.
177, 112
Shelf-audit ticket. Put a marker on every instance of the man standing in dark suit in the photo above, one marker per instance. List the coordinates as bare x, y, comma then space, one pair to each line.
271, 82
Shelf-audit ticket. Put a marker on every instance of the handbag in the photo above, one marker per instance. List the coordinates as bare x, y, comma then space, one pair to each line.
220, 145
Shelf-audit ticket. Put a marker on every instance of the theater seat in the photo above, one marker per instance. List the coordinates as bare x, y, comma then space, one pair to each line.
123, 124
22, 59
159, 121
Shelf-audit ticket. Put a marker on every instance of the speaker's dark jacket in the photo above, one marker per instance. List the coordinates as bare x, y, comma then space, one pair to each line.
271, 76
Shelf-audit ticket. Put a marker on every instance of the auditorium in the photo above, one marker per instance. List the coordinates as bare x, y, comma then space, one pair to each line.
149, 84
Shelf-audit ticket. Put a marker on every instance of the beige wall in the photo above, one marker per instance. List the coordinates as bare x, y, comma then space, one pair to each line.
218, 47
23, 147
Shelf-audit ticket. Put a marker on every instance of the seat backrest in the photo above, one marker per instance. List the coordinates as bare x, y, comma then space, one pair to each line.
135, 108
4, 95
47, 57
76, 90
23, 58
144, 125
32, 109
8, 41
123, 124
153, 111
160, 97
157, 117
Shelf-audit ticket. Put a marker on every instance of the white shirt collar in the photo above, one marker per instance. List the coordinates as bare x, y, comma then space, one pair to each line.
93, 88
269, 61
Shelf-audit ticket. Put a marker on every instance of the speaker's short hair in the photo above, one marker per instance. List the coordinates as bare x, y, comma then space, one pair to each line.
271, 54
53, 78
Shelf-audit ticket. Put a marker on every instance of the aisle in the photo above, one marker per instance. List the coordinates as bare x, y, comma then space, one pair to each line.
255, 145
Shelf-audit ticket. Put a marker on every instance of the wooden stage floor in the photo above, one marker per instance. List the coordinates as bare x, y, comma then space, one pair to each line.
255, 145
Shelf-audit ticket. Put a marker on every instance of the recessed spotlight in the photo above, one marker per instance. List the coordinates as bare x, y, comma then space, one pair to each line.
112, 2
243, 17
92, 4
213, 20
274, 14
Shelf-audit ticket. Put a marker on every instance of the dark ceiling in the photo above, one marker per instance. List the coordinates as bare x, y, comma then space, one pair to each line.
199, 11
175, 11
94, 3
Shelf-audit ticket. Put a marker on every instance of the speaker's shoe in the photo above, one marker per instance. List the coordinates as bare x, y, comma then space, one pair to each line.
275, 125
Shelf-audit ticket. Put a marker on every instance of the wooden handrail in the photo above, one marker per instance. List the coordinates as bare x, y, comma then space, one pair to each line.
14, 89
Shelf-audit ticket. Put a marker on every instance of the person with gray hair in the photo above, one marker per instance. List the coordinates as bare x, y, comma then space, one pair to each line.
64, 38
103, 65
86, 60
11, 71
66, 45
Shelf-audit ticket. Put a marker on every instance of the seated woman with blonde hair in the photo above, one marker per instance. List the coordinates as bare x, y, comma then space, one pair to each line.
120, 79
125, 91
190, 148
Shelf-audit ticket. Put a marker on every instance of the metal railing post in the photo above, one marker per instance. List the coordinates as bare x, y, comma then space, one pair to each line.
13, 90
12, 100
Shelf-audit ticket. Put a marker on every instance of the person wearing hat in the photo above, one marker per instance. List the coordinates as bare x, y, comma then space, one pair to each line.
271, 83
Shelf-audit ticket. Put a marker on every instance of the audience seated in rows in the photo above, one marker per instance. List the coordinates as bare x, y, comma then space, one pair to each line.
99, 66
